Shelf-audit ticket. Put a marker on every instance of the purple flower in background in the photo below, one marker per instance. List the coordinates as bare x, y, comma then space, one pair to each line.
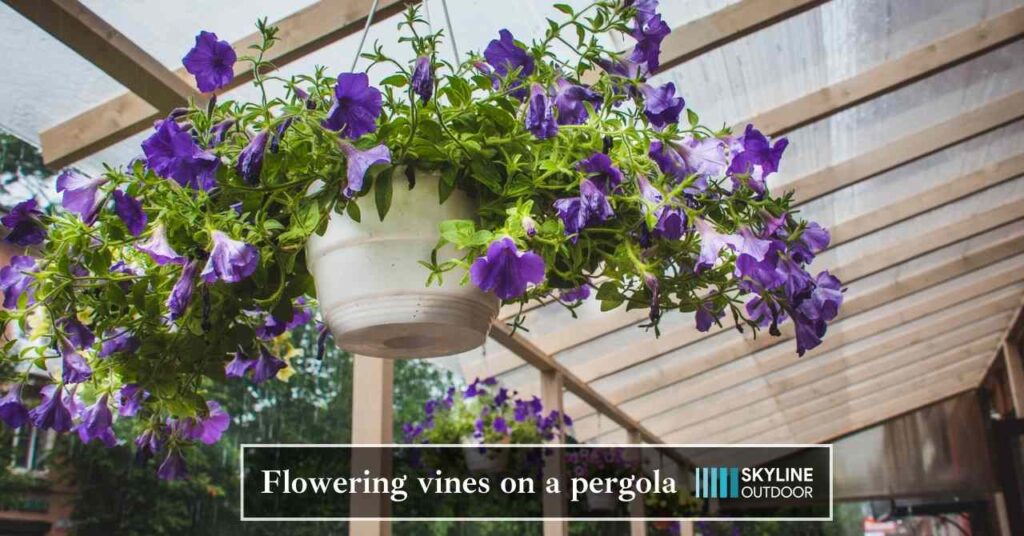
159, 249
266, 366
97, 423
599, 168
250, 160
12, 411
130, 399
121, 341
645, 9
649, 34
623, 68
808, 333
77, 334
173, 467
16, 279
500, 425
570, 99
220, 131
209, 429
472, 390
75, 367
661, 106
826, 298
356, 106
275, 142
575, 295
505, 270
501, 397
51, 413
359, 162
763, 312
148, 443
506, 57
239, 366
423, 79
211, 61
301, 313
758, 158
173, 154
706, 316
181, 293
230, 260
540, 117
813, 240
130, 211
23, 221
81, 194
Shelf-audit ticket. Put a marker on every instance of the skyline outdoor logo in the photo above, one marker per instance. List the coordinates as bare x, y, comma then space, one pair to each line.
754, 482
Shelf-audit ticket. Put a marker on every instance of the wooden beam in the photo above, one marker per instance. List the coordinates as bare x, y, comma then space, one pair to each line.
901, 151
725, 26
799, 381
555, 505
637, 526
1014, 374
1016, 323
372, 423
94, 39
305, 31
893, 74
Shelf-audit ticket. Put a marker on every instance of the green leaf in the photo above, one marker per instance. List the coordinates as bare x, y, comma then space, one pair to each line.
564, 8
382, 194
352, 209
397, 80
692, 117
487, 174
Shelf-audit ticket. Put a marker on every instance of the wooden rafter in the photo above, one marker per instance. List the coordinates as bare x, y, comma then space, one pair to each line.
305, 31
893, 74
94, 39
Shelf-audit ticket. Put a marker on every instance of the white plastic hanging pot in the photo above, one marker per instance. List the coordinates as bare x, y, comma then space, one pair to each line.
372, 288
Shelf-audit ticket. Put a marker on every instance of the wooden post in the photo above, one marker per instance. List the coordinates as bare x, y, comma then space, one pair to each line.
1014, 375
1002, 519
372, 416
554, 505
637, 527
686, 528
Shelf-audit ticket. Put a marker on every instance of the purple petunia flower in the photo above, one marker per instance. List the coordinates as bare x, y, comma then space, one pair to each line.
704, 159
423, 79
130, 399
17, 279
97, 423
501, 397
219, 131
813, 240
159, 249
75, 368
173, 467
758, 158
266, 366
250, 160
500, 425
826, 298
173, 154
12, 411
79, 336
81, 194
570, 99
711, 244
207, 429
356, 106
506, 57
645, 9
575, 295
669, 222
706, 316
302, 313
505, 270
230, 260
275, 142
661, 106
599, 168
593, 203
359, 162
23, 221
649, 34
121, 341
239, 366
211, 61
130, 211
52, 413
540, 117
181, 292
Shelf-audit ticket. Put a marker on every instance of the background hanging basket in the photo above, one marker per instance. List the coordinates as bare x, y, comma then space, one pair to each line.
371, 286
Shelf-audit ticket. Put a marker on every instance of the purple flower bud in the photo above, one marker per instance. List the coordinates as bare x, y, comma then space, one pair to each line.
230, 260
275, 143
220, 131
505, 270
97, 423
655, 288
250, 160
423, 79
649, 33
12, 411
530, 226
576, 295
181, 293
540, 117
173, 467
211, 61
51, 413
130, 211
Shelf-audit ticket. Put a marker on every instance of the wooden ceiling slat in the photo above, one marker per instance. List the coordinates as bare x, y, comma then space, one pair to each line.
300, 33
893, 74
94, 39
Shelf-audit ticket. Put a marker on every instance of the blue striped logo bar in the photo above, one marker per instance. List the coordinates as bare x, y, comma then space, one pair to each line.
716, 482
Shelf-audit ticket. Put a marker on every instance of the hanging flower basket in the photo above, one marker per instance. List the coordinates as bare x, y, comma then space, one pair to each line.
370, 284
184, 266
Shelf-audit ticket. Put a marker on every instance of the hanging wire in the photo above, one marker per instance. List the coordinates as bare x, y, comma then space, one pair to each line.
366, 30
451, 33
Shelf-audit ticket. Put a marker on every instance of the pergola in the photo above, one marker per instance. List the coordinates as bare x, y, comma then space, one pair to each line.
906, 142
